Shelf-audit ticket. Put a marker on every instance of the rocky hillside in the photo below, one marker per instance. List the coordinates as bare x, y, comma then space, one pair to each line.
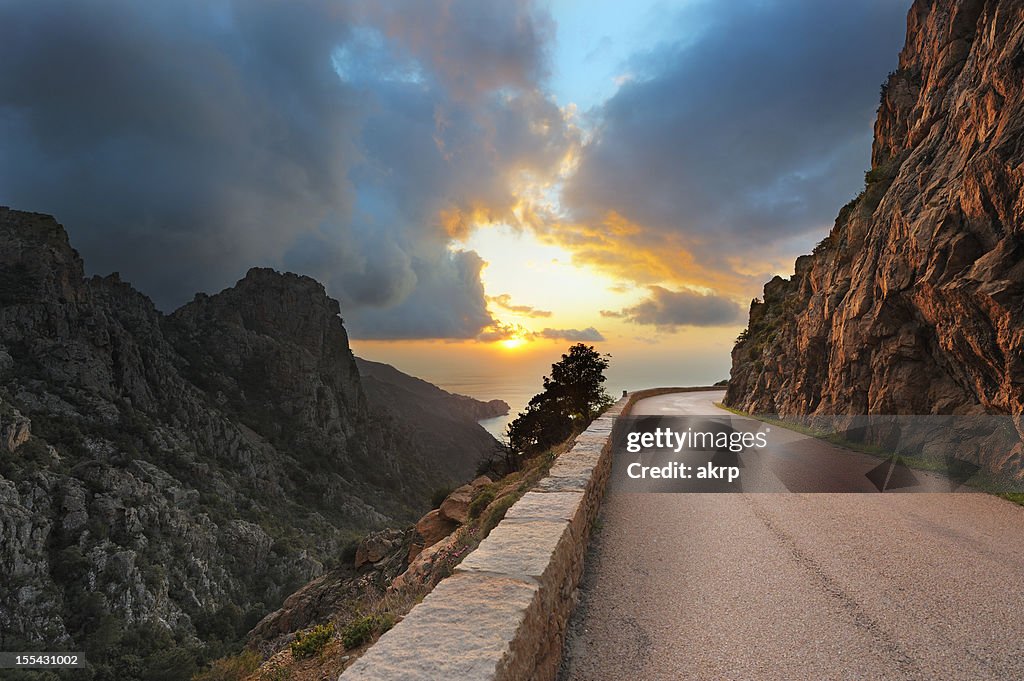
423, 411
385, 384
914, 303
173, 477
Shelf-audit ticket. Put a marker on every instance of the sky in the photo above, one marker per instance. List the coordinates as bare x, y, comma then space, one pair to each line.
479, 183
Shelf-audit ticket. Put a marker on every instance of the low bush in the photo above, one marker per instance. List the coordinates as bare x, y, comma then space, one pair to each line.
362, 629
439, 495
234, 668
497, 512
310, 643
481, 501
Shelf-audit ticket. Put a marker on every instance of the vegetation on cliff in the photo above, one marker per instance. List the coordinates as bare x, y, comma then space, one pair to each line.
392, 570
166, 480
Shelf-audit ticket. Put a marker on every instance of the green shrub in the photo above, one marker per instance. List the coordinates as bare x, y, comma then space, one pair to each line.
362, 629
439, 495
310, 643
1015, 497
234, 668
481, 501
276, 674
497, 512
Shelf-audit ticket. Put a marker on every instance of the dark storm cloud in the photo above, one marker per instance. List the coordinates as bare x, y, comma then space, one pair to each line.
670, 309
183, 142
472, 46
444, 299
589, 334
755, 125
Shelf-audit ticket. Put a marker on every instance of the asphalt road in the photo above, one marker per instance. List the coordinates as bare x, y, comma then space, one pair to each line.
799, 585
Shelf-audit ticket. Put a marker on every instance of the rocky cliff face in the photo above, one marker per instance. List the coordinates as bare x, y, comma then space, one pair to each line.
180, 475
386, 384
422, 411
914, 303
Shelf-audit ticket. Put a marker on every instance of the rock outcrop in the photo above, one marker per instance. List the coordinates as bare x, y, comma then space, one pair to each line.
340, 592
432, 528
184, 471
914, 303
424, 412
387, 384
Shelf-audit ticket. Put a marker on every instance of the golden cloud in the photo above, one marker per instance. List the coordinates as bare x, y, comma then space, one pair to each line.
504, 300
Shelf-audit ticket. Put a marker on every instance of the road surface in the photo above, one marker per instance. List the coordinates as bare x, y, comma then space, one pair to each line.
799, 585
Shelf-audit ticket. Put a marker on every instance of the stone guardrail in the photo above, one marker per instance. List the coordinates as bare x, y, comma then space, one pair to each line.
502, 615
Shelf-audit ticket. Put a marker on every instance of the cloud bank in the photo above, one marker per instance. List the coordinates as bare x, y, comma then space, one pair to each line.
500, 331
587, 335
357, 141
752, 128
670, 309
183, 142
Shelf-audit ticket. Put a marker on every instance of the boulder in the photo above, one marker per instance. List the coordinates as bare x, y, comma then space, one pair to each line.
421, 569
432, 527
375, 547
455, 507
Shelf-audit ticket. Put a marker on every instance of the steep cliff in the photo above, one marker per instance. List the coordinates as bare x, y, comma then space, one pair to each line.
171, 479
387, 385
914, 303
424, 412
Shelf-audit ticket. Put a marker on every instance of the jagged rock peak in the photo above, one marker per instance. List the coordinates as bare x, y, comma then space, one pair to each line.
164, 470
36, 258
275, 304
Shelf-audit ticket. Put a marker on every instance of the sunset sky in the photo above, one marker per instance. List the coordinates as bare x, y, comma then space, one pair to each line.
479, 183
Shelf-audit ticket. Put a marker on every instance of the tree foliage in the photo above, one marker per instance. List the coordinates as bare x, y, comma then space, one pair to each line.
573, 395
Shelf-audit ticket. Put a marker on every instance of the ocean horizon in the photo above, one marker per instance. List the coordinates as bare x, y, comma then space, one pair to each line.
517, 394
517, 376
513, 390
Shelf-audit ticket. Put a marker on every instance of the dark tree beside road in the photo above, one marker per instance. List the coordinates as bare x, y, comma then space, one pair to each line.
573, 395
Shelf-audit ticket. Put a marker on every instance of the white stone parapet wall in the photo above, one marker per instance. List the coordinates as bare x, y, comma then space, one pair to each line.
502, 615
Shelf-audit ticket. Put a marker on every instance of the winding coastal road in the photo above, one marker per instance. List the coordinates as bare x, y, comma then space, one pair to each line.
799, 585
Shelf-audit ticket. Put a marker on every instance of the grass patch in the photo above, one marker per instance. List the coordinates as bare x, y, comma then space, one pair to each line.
481, 501
233, 668
1015, 497
362, 629
311, 642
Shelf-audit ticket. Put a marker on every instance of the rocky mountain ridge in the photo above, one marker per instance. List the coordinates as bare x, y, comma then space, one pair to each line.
914, 303
389, 384
185, 471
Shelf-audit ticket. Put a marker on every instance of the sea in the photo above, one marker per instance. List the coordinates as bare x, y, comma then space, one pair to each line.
515, 378
516, 391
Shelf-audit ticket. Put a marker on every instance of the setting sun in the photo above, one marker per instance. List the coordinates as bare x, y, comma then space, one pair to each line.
512, 343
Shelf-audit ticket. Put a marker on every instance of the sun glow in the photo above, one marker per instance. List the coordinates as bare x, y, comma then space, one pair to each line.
512, 343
